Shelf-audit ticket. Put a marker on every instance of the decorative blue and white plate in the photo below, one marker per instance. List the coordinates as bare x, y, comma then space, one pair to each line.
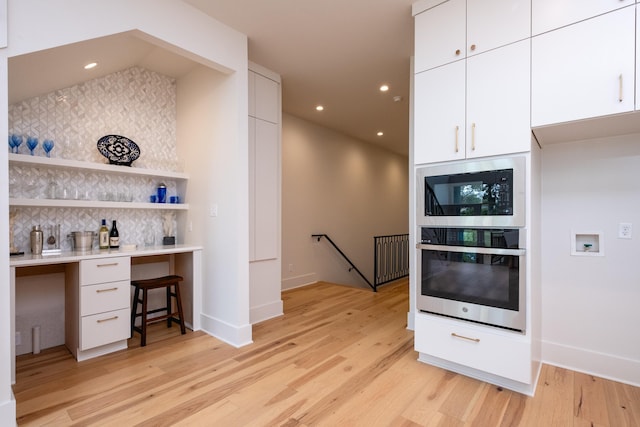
118, 149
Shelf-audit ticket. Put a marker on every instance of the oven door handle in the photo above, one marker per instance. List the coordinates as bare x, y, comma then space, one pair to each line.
472, 249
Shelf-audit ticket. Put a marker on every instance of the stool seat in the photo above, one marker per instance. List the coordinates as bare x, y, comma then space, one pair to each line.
141, 288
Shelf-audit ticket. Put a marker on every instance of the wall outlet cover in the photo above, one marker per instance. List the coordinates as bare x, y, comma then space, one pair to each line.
624, 230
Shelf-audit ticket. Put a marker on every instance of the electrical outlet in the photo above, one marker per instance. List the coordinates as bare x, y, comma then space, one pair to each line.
213, 210
624, 230
290, 267
18, 338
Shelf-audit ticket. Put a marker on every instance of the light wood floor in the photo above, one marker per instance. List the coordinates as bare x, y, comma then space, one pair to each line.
338, 357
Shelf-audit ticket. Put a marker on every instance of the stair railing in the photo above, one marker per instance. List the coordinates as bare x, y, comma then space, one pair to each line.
391, 258
351, 265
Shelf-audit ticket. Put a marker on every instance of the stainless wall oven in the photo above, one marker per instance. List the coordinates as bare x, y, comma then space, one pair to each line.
478, 193
475, 274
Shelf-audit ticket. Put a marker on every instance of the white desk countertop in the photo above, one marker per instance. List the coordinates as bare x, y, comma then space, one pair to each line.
66, 257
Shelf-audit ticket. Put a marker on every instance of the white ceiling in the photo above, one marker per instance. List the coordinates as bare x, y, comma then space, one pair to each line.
332, 52
336, 53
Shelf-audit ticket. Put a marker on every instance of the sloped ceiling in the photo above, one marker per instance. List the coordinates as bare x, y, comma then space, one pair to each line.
336, 53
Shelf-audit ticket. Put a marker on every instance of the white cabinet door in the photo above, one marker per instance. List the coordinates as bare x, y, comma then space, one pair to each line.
549, 15
584, 70
637, 64
495, 23
458, 28
267, 99
439, 114
498, 101
266, 196
440, 35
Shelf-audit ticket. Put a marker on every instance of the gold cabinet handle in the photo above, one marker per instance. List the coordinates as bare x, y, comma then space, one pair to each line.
457, 52
113, 264
106, 290
453, 334
620, 97
107, 319
473, 136
473, 47
457, 130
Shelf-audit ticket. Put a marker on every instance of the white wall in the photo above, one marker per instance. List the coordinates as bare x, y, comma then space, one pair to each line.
336, 185
590, 303
34, 25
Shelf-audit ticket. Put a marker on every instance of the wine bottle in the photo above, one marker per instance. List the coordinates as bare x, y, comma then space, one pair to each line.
103, 235
114, 237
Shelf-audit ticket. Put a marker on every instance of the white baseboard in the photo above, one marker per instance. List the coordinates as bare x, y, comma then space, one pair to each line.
411, 321
265, 311
528, 389
299, 281
590, 362
237, 336
8, 412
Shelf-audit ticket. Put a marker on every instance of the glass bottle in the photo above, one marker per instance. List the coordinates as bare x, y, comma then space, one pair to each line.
104, 235
114, 237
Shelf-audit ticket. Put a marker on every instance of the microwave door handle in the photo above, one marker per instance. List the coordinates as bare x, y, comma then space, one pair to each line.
472, 249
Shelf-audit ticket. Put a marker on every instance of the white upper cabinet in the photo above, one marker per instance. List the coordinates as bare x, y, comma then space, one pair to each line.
584, 70
499, 101
474, 108
439, 114
440, 35
547, 15
264, 98
495, 23
457, 29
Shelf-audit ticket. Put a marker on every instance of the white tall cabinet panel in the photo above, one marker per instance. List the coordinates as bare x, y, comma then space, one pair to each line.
547, 15
264, 194
439, 114
264, 170
498, 101
267, 191
577, 73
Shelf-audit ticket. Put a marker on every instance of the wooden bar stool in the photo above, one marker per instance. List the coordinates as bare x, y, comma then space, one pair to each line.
142, 286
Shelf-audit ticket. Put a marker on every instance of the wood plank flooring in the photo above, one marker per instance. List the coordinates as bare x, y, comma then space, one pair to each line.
338, 357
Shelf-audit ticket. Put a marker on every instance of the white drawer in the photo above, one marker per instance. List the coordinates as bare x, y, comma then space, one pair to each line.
104, 297
494, 351
104, 270
104, 328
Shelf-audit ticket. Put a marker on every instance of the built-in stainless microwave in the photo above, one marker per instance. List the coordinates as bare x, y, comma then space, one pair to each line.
472, 193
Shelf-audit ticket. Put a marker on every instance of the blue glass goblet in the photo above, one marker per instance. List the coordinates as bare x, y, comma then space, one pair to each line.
48, 146
11, 145
17, 141
32, 143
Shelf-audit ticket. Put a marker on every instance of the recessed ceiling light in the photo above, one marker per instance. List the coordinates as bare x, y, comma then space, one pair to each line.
380, 133
319, 108
90, 65
384, 88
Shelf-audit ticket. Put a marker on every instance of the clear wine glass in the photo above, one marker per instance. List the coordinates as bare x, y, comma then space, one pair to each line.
17, 142
32, 143
48, 146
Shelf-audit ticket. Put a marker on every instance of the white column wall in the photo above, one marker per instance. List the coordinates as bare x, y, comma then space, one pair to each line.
35, 25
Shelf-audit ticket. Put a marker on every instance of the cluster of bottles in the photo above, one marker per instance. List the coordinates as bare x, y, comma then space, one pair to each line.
108, 239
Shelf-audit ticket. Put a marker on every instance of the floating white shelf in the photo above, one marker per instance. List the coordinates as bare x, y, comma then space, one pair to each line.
57, 163
66, 203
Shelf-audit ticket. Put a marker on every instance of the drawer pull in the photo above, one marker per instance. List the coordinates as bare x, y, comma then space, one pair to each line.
453, 334
113, 264
106, 290
106, 320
